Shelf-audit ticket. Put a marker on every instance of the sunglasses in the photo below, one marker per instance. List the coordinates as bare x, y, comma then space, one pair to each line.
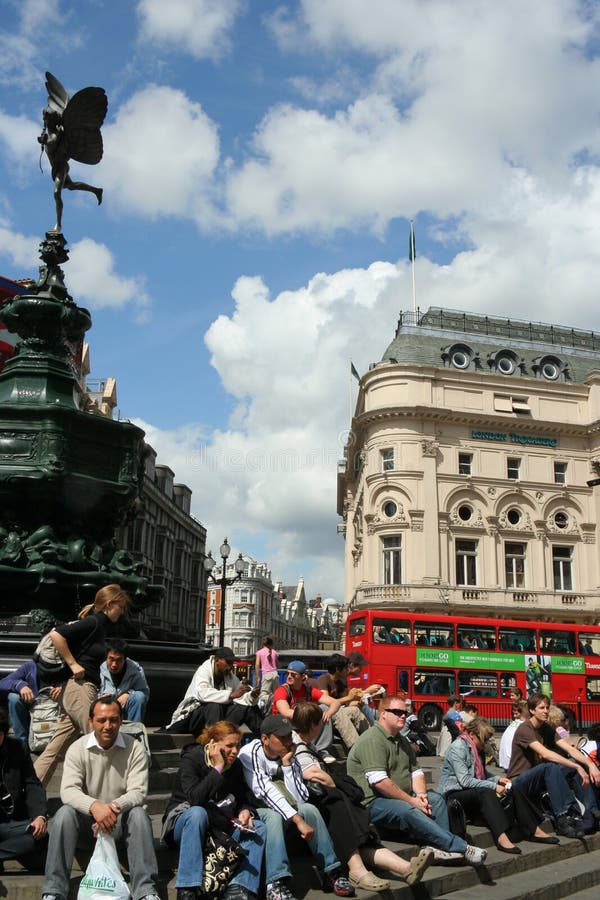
399, 713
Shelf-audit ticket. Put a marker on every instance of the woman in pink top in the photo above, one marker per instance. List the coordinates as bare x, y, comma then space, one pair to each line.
265, 672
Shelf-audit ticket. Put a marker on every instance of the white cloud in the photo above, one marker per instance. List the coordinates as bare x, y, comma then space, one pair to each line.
18, 136
272, 472
20, 249
92, 279
160, 155
90, 273
198, 27
38, 15
451, 103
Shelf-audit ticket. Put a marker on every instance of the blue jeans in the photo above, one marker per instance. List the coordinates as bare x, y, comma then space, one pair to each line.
585, 793
135, 708
277, 864
369, 712
416, 825
190, 831
549, 777
133, 827
18, 713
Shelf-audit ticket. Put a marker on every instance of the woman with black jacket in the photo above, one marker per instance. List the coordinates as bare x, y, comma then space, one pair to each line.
82, 645
211, 792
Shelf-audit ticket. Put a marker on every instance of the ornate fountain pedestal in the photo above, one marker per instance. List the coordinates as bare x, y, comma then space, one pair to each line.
67, 477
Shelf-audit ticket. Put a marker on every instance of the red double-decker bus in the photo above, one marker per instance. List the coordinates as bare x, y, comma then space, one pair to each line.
430, 657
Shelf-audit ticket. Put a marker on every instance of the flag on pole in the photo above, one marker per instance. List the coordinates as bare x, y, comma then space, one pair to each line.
353, 371
411, 244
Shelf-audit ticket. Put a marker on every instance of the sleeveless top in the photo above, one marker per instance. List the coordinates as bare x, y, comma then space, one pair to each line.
265, 665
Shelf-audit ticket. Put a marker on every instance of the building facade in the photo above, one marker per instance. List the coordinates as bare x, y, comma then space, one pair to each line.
256, 607
170, 545
467, 484
248, 607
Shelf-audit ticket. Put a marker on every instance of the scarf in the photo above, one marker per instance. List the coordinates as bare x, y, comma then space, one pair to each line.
479, 766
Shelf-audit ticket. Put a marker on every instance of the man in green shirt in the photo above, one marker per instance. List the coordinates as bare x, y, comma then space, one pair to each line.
384, 764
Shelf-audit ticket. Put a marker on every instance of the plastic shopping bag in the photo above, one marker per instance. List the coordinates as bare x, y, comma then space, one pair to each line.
103, 879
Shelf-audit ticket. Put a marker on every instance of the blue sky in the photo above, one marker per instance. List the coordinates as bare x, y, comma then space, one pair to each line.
262, 161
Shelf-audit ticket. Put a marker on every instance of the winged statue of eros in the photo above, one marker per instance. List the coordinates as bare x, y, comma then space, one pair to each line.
72, 131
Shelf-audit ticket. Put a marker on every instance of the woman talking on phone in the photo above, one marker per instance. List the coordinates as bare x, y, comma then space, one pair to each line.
210, 792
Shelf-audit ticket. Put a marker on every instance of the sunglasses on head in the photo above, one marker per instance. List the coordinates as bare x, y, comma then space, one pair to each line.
397, 712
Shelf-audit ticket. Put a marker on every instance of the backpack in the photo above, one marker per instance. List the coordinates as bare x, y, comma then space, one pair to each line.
137, 730
44, 712
290, 694
50, 664
51, 667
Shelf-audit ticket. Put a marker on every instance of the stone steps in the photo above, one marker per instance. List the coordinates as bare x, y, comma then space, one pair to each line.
570, 869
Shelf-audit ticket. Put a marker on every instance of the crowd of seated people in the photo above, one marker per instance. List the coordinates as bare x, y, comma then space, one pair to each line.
281, 784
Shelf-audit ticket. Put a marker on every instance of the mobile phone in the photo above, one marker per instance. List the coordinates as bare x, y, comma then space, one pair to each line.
244, 828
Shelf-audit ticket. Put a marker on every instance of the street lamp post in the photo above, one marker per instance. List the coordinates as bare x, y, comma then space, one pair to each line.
223, 581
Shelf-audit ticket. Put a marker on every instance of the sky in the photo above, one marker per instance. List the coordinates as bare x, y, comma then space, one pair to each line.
262, 162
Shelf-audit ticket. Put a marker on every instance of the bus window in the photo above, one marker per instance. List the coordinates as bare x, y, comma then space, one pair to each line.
391, 631
428, 681
357, 626
557, 641
478, 684
520, 640
433, 634
589, 644
402, 682
480, 637
592, 688
507, 682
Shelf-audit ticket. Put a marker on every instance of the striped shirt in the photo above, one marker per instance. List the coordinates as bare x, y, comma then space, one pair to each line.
260, 771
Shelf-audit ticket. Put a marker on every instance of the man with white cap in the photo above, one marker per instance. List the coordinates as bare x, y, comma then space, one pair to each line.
275, 778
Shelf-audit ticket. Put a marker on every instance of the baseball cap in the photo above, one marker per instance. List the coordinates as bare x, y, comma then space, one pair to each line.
356, 658
296, 665
225, 653
277, 725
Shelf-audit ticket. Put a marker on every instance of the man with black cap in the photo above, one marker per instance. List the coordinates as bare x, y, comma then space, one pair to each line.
216, 693
275, 779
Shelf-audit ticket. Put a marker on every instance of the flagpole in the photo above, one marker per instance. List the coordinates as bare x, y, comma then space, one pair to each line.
350, 390
412, 262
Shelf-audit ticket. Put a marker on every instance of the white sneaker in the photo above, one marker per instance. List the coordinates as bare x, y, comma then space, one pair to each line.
446, 856
475, 856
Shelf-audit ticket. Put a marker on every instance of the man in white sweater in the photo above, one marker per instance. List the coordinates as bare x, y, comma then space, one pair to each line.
104, 784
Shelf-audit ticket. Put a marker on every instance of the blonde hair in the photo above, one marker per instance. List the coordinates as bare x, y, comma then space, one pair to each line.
480, 728
106, 596
556, 716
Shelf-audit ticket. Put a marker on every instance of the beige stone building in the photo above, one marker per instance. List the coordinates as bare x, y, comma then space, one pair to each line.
465, 485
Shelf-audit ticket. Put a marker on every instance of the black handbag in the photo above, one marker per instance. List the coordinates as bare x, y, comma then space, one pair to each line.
456, 817
316, 790
222, 855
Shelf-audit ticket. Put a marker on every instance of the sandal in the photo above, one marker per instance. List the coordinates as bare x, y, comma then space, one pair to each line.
369, 882
418, 864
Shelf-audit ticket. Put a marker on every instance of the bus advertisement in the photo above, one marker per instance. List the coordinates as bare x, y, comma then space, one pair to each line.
431, 657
